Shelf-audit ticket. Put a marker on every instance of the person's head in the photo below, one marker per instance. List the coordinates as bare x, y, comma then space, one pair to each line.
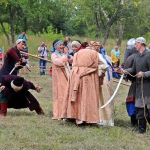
140, 44
85, 40
66, 50
131, 42
17, 84
23, 32
58, 45
84, 44
94, 45
20, 43
116, 48
75, 46
68, 39
115, 64
42, 44
65, 43
97, 46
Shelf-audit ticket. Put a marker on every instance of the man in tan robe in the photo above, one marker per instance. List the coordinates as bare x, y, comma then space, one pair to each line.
105, 90
82, 96
60, 75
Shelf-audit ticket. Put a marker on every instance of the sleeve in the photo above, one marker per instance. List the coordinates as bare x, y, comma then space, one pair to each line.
131, 70
102, 59
3, 81
129, 62
147, 73
27, 85
57, 60
103, 64
11, 54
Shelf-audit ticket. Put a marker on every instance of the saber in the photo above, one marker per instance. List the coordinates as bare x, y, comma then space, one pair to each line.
114, 92
12, 70
35, 56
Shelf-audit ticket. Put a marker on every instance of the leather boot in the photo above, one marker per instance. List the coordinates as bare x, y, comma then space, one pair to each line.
142, 125
39, 111
3, 109
134, 121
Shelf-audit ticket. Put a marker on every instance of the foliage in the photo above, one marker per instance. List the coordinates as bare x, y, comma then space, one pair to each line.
96, 18
52, 34
7, 27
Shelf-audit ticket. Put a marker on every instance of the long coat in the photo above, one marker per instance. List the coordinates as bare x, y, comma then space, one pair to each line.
59, 83
142, 63
81, 100
21, 99
12, 57
128, 64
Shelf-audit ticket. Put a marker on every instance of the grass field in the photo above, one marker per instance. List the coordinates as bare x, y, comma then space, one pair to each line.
25, 130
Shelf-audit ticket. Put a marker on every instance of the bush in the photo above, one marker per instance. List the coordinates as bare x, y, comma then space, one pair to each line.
52, 34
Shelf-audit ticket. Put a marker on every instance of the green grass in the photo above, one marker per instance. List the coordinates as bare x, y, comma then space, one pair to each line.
25, 130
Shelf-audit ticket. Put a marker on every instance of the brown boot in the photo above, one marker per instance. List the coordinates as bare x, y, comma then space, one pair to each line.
3, 109
39, 111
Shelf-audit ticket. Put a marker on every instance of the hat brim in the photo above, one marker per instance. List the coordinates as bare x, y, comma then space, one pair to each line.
16, 88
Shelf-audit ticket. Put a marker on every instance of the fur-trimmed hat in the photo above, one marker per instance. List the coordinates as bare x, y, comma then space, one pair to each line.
19, 41
76, 43
17, 83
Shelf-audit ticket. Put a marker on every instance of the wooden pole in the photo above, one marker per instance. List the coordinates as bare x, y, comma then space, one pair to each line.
121, 83
35, 56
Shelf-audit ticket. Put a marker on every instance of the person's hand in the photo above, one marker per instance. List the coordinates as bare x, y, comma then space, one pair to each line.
139, 74
70, 60
2, 88
38, 88
23, 60
101, 78
124, 71
17, 64
64, 59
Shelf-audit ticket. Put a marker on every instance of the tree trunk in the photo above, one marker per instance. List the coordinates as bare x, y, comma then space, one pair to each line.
11, 15
7, 35
120, 34
107, 31
109, 25
97, 25
88, 26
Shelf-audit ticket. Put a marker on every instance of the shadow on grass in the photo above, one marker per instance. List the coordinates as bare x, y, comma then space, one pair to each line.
20, 113
122, 123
